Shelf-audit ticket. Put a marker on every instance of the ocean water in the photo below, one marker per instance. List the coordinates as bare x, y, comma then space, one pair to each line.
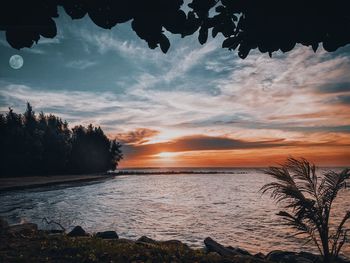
226, 206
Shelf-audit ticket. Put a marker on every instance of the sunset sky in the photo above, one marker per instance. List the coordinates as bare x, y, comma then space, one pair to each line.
195, 106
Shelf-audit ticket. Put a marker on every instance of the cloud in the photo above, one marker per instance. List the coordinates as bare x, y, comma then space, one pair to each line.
203, 143
245, 99
34, 49
138, 136
343, 99
74, 106
110, 42
156, 70
337, 87
197, 143
49, 41
56, 40
289, 98
80, 64
194, 97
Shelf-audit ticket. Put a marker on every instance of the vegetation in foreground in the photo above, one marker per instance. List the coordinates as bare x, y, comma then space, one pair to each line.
308, 200
25, 243
44, 145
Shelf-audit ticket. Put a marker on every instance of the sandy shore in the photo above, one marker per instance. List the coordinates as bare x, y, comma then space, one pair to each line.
20, 183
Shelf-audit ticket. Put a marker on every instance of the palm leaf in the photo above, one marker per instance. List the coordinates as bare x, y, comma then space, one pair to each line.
309, 200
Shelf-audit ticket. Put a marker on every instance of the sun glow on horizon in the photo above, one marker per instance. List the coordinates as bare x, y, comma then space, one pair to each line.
167, 155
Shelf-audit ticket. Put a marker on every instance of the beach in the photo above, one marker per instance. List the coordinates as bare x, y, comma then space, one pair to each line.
21, 183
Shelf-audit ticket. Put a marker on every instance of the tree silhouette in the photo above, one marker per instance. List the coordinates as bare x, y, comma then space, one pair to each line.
92, 151
268, 25
31, 145
308, 200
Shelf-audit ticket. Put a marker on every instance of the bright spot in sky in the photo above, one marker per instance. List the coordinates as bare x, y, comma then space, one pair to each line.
166, 155
16, 62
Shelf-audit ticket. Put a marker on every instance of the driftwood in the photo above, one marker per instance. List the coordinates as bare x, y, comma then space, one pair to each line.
49, 222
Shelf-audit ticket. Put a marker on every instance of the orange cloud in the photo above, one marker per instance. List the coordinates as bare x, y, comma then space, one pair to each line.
201, 150
322, 156
138, 136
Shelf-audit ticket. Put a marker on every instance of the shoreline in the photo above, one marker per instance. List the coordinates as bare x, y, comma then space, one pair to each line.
30, 182
16, 183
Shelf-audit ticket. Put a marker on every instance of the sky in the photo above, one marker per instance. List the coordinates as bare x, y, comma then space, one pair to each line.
196, 106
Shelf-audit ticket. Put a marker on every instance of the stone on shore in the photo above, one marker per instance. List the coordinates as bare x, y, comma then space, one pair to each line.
342, 259
41, 247
107, 235
231, 254
77, 231
259, 255
145, 239
213, 246
55, 231
239, 250
23, 229
293, 257
3, 226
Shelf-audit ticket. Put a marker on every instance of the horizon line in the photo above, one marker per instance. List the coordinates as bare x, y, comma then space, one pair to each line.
217, 167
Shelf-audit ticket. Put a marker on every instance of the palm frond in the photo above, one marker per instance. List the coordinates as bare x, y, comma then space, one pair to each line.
309, 199
340, 232
302, 227
287, 190
332, 183
304, 175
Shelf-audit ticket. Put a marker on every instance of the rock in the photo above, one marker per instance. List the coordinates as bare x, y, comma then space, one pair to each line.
215, 257
3, 226
145, 239
259, 255
239, 250
302, 260
213, 246
292, 257
55, 231
77, 231
23, 229
312, 257
107, 235
173, 242
279, 255
342, 259
248, 259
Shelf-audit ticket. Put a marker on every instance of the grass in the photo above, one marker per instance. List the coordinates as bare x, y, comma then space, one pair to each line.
42, 247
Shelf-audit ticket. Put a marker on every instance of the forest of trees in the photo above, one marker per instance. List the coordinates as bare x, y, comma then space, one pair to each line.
44, 145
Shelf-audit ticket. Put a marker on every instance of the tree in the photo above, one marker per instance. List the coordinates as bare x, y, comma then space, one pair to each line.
57, 145
92, 151
115, 154
32, 142
45, 145
308, 199
246, 24
12, 142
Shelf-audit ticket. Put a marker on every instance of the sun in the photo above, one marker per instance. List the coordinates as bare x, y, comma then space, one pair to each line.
167, 158
166, 155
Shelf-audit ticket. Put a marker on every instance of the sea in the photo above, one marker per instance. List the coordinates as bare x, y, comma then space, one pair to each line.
189, 205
